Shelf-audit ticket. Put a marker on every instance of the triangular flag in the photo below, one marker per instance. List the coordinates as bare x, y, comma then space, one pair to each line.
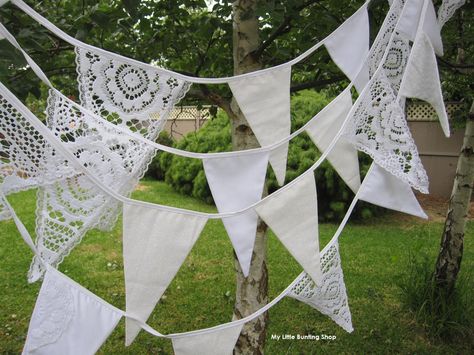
330, 296
348, 46
265, 102
218, 342
383, 189
68, 319
421, 79
292, 214
155, 244
236, 182
410, 19
323, 129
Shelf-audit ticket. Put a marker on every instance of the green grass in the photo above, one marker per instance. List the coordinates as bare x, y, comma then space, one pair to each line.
374, 255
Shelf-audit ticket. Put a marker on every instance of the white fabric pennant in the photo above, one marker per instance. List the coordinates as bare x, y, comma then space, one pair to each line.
410, 19
219, 342
330, 296
155, 244
265, 102
68, 319
293, 216
348, 46
324, 128
421, 79
237, 182
383, 189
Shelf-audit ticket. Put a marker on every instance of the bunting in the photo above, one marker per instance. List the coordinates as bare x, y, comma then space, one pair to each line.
292, 214
421, 79
218, 342
264, 99
348, 47
330, 295
383, 189
155, 244
68, 319
410, 18
322, 131
236, 182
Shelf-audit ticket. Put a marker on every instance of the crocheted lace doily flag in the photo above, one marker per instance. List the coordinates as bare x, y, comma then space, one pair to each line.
329, 296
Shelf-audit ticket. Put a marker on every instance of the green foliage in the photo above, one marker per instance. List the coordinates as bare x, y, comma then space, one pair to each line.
187, 175
446, 316
155, 170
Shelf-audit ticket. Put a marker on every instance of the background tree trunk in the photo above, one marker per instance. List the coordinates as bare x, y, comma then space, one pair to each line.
450, 254
252, 292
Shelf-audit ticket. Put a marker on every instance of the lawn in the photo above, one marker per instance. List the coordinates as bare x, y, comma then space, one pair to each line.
374, 256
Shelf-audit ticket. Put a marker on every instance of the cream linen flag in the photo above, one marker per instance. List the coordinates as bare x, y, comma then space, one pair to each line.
155, 244
236, 182
383, 189
330, 296
218, 342
348, 46
324, 128
410, 19
421, 79
292, 214
68, 319
265, 101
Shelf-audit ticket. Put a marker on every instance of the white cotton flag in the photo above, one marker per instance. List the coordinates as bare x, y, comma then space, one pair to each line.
410, 19
68, 319
292, 214
330, 296
236, 182
265, 102
348, 46
155, 244
323, 129
218, 342
383, 189
421, 79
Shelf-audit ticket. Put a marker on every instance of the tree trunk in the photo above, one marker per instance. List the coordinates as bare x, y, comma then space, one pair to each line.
252, 292
450, 254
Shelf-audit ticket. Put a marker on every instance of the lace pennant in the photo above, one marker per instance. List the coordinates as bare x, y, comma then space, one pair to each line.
324, 128
155, 244
422, 79
237, 182
447, 10
383, 189
130, 95
75, 205
68, 319
219, 342
265, 101
348, 46
292, 214
378, 127
328, 296
27, 159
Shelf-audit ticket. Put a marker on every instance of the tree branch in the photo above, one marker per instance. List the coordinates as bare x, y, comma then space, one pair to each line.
203, 93
283, 28
316, 84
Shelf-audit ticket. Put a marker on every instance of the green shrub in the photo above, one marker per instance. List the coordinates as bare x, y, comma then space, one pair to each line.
187, 175
155, 169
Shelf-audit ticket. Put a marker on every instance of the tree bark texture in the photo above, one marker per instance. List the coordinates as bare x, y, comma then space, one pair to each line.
252, 291
451, 250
